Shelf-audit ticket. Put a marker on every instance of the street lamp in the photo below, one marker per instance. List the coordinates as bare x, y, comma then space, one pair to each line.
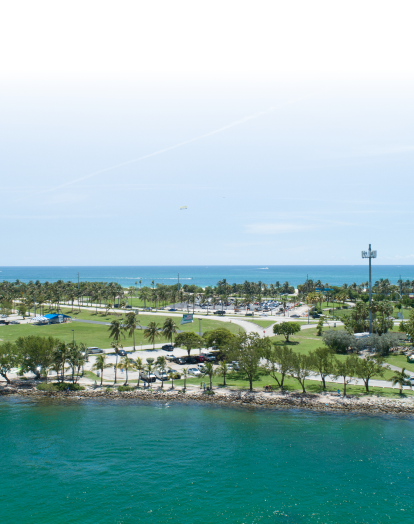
369, 255
73, 333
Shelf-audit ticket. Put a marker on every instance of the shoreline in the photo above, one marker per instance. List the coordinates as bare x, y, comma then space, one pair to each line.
325, 403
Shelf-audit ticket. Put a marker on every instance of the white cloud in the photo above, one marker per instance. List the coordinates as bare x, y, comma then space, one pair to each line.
275, 229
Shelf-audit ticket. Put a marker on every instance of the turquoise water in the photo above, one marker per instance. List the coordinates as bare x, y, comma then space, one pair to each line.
100, 462
204, 276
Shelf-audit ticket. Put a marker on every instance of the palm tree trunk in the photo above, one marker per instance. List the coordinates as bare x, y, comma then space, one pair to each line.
133, 337
102, 375
116, 366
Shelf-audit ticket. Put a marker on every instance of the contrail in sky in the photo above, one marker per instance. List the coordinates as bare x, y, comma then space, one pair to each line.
170, 148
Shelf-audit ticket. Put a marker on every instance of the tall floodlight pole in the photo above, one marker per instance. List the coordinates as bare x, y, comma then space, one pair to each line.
369, 255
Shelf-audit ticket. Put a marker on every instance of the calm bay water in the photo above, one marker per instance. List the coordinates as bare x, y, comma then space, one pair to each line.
113, 463
207, 275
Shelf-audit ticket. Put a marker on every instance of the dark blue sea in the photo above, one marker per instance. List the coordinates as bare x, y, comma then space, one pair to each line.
206, 275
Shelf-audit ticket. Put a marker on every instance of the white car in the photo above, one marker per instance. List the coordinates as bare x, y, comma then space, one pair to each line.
194, 372
201, 367
169, 357
161, 375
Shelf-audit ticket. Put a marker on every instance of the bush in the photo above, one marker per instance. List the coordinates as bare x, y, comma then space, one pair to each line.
125, 388
338, 341
59, 386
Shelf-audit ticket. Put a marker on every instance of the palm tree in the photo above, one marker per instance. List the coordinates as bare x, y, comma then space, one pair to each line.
131, 325
223, 370
185, 375
169, 329
128, 365
61, 356
152, 333
161, 362
171, 374
116, 349
210, 371
140, 366
101, 364
116, 331
401, 378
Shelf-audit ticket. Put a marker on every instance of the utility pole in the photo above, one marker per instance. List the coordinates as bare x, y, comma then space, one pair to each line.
369, 255
178, 281
307, 292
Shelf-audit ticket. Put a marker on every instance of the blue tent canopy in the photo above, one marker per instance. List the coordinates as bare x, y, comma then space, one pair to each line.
51, 316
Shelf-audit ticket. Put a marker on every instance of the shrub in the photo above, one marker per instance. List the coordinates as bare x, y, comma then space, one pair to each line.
125, 388
59, 386
339, 341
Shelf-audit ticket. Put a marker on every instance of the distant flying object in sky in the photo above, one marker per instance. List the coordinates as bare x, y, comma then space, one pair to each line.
183, 207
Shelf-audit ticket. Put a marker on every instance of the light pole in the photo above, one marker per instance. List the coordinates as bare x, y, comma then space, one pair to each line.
369, 255
73, 333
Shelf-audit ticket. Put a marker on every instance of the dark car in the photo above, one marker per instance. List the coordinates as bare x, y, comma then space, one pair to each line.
200, 358
172, 309
116, 305
219, 312
179, 361
122, 353
128, 307
167, 347
191, 360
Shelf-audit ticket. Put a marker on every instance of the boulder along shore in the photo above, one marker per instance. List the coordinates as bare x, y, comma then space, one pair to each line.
314, 402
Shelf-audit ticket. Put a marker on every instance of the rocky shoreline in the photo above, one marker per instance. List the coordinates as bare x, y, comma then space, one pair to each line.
226, 397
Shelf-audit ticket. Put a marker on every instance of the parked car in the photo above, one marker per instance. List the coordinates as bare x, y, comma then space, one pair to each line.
179, 360
176, 374
116, 305
219, 312
210, 358
94, 350
170, 357
194, 372
14, 322
235, 365
200, 358
201, 368
172, 309
147, 377
122, 353
128, 307
161, 375
167, 347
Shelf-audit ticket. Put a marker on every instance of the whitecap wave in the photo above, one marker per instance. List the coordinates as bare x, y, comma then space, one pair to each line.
262, 268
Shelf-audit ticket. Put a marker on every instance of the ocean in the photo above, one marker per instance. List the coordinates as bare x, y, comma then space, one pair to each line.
108, 462
204, 276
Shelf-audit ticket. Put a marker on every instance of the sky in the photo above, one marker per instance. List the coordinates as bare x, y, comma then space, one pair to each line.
284, 127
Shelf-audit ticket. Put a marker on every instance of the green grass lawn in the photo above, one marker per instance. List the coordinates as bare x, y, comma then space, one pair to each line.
261, 323
97, 335
312, 386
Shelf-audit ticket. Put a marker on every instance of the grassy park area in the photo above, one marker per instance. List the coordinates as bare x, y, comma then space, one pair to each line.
97, 334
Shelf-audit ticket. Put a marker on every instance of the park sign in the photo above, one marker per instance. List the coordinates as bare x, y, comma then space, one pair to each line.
187, 319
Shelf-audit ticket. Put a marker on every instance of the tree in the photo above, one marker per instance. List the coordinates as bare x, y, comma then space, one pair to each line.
140, 366
248, 349
220, 338
323, 362
76, 359
185, 375
223, 370
152, 333
116, 349
162, 366
319, 327
116, 331
171, 375
22, 309
368, 367
189, 340
128, 365
131, 324
339, 341
61, 356
169, 329
401, 378
209, 371
36, 353
286, 329
8, 359
301, 368
101, 364
345, 369
279, 362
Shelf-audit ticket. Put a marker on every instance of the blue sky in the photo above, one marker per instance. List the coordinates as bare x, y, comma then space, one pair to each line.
286, 131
